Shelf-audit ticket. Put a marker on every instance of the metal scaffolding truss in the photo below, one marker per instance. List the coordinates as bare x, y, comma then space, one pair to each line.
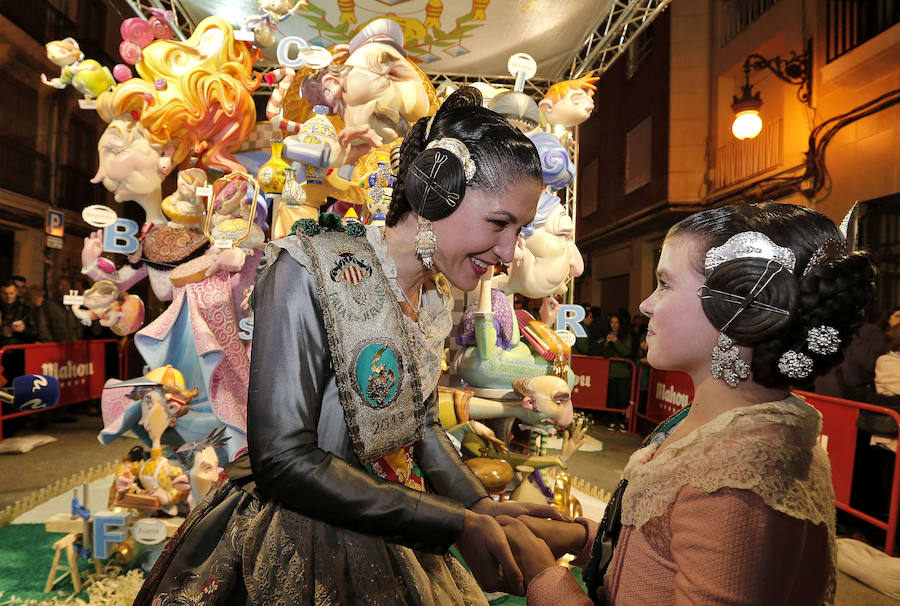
534, 87
622, 23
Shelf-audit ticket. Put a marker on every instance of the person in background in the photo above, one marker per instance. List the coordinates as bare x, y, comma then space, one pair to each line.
16, 325
889, 319
854, 378
887, 366
57, 322
618, 343
593, 320
21, 284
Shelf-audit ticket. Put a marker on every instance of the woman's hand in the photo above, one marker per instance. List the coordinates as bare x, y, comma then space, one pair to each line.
561, 537
532, 554
485, 549
489, 507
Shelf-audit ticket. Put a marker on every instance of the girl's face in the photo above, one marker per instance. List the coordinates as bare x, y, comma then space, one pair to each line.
894, 319
614, 324
483, 232
679, 335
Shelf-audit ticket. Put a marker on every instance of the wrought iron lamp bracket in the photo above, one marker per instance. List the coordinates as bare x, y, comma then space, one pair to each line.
796, 70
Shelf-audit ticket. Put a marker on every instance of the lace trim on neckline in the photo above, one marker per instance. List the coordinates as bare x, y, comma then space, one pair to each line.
769, 449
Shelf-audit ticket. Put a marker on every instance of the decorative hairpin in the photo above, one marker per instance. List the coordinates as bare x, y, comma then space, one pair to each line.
823, 340
458, 149
795, 365
829, 249
749, 245
430, 181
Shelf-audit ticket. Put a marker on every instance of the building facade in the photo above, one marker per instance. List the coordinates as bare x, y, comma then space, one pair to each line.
659, 145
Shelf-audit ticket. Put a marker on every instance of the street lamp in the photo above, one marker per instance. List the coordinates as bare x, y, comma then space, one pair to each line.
796, 70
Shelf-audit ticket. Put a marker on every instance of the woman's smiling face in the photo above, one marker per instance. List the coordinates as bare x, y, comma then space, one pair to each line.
483, 232
679, 335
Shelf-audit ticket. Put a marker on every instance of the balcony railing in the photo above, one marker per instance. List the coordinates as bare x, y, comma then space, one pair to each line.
24, 170
737, 161
850, 23
736, 15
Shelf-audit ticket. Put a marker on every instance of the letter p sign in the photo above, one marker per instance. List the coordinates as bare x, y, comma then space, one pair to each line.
120, 237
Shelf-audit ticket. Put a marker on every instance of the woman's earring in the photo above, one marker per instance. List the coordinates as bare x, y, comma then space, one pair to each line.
727, 363
426, 243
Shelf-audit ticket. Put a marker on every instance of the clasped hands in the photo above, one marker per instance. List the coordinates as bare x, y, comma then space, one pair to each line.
507, 544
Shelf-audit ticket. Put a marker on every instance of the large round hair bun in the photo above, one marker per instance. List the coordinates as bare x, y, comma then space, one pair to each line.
436, 179
738, 277
467, 96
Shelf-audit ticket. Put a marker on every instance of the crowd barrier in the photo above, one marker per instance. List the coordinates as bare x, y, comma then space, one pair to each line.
80, 367
592, 385
839, 435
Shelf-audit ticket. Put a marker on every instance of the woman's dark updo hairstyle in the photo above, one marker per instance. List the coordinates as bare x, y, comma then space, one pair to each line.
835, 292
502, 156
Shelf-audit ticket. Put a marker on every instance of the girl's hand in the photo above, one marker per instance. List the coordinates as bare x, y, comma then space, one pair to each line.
532, 554
485, 549
561, 537
513, 509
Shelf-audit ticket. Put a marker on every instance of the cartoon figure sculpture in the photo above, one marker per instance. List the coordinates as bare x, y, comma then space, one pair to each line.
201, 462
158, 484
321, 181
205, 109
231, 215
570, 102
185, 208
376, 90
120, 312
378, 181
274, 11
87, 76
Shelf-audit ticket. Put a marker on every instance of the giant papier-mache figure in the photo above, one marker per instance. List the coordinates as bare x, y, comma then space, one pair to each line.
192, 100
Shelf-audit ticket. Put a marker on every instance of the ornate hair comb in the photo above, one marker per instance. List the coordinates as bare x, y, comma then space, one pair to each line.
749, 245
458, 149
832, 247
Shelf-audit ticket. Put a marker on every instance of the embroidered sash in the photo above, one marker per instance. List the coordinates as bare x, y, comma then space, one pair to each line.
376, 373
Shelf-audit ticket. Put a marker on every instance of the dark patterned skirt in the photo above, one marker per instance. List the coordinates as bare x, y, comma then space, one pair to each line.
235, 548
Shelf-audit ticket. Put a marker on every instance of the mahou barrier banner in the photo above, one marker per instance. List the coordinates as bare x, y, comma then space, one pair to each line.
591, 378
669, 392
80, 367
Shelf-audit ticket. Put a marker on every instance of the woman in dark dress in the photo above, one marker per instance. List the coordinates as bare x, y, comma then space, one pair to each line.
352, 493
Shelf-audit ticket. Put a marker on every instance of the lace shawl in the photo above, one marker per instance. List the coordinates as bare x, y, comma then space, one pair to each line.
435, 321
769, 449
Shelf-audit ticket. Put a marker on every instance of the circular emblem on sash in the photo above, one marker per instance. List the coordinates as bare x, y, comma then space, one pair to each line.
378, 372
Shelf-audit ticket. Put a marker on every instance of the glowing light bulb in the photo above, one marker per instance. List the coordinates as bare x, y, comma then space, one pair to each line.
747, 124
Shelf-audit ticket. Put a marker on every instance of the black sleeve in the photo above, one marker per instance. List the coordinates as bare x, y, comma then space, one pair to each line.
441, 464
290, 367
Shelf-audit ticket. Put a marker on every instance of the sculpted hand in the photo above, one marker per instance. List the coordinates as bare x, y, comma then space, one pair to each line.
485, 549
355, 142
560, 537
549, 310
573, 439
513, 509
92, 249
229, 259
531, 553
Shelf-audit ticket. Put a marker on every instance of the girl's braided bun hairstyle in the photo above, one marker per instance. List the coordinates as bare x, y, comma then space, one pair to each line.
834, 290
501, 153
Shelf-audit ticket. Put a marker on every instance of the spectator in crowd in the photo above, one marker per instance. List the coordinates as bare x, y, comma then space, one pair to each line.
887, 366
593, 320
618, 343
854, 378
55, 321
16, 325
21, 284
889, 318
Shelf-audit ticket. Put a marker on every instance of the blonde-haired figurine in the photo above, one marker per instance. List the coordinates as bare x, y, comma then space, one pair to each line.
87, 76
570, 102
192, 100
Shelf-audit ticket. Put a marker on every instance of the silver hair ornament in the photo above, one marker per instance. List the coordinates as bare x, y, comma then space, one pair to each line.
795, 365
823, 340
749, 245
727, 363
458, 149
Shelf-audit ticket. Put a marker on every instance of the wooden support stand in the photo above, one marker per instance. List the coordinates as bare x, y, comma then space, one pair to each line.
70, 569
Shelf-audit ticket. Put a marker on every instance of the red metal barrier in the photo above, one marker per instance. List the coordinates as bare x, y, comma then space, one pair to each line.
668, 392
839, 435
80, 367
592, 384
